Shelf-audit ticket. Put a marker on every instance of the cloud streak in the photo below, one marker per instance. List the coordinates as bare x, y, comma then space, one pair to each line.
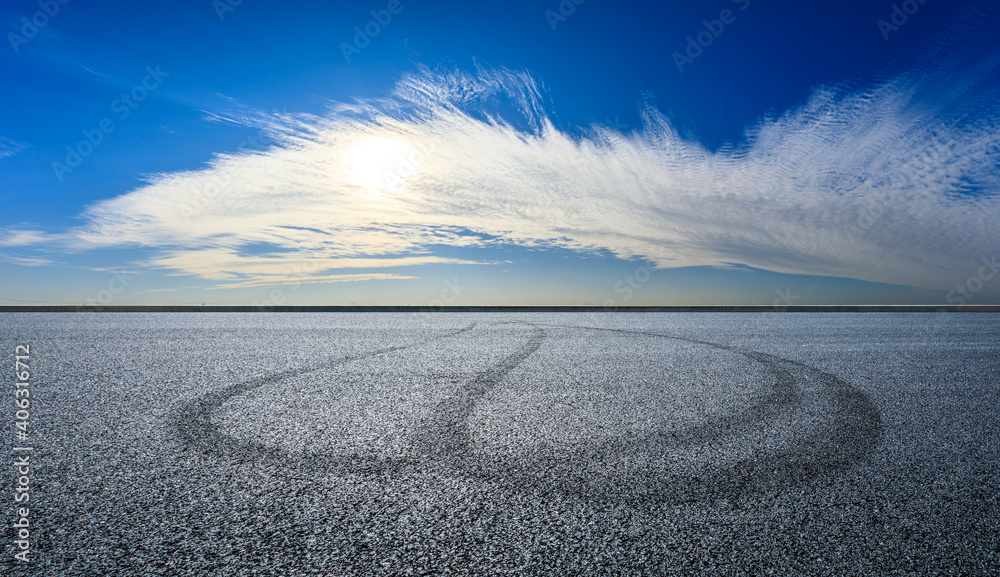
9, 146
895, 182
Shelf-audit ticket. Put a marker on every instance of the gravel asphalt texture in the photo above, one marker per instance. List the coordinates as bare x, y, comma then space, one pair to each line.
509, 444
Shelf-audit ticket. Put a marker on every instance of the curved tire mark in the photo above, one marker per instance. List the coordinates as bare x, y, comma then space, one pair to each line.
193, 420
447, 435
854, 429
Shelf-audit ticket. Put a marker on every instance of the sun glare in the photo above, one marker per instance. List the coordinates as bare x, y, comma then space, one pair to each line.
382, 164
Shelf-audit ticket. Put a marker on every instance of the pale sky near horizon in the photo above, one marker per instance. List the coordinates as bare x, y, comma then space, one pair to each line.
400, 152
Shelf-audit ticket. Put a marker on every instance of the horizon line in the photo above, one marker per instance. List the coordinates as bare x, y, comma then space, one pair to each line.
501, 308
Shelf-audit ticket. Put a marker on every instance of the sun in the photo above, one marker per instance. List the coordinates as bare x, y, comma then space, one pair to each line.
382, 164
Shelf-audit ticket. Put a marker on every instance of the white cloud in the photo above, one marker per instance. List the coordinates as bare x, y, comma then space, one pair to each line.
294, 281
18, 237
9, 147
873, 184
25, 260
230, 266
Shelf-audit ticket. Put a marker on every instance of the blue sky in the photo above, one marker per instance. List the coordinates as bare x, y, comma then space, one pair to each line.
727, 152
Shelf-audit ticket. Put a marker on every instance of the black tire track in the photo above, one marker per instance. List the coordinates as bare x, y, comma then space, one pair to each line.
447, 436
193, 422
853, 430
783, 396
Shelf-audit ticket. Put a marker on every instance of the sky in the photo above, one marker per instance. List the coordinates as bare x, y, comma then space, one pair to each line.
395, 152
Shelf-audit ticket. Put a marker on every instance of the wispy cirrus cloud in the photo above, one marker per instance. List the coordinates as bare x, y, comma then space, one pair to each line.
292, 280
437, 164
24, 237
9, 146
25, 260
277, 268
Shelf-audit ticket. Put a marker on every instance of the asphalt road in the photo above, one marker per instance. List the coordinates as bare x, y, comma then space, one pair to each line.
510, 444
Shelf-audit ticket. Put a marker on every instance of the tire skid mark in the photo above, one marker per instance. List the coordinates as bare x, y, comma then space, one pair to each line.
782, 397
447, 436
850, 432
853, 429
193, 420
